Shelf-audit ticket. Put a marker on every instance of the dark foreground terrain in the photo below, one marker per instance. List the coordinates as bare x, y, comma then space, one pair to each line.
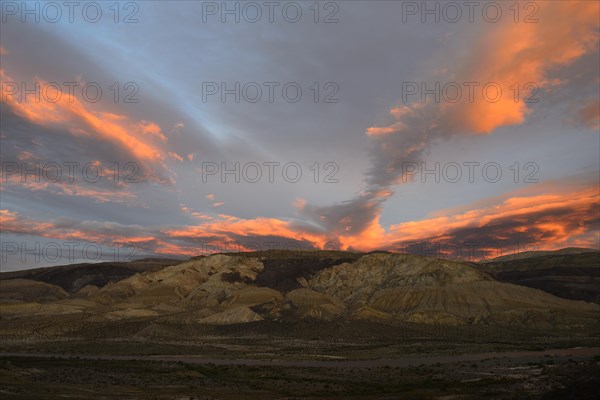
570, 374
304, 325
303, 361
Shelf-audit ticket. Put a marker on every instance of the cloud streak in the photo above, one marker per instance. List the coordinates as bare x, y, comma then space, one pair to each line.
507, 54
550, 216
138, 141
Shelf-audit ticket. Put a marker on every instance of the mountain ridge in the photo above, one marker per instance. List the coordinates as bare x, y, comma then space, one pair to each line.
237, 288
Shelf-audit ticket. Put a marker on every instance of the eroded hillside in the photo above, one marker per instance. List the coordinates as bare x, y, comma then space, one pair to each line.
293, 286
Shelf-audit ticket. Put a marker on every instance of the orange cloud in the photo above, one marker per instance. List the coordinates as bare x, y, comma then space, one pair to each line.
198, 215
175, 156
385, 130
39, 179
56, 107
590, 115
550, 221
564, 216
70, 189
371, 238
152, 129
228, 227
521, 53
512, 53
514, 57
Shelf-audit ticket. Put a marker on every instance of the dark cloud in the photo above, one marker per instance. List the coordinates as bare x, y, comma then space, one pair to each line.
535, 230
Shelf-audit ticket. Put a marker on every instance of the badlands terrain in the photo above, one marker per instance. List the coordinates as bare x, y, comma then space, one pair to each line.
304, 324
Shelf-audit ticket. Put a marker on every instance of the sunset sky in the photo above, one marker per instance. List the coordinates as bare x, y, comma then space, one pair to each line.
517, 171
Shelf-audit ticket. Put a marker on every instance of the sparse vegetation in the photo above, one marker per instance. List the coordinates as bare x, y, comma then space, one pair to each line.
304, 332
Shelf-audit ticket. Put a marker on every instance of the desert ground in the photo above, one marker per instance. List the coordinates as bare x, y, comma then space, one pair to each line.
329, 325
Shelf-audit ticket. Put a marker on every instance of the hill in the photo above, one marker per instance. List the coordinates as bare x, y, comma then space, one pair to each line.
540, 253
74, 277
240, 288
571, 275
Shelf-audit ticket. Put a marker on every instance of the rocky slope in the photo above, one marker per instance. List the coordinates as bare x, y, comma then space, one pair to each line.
574, 275
74, 277
309, 285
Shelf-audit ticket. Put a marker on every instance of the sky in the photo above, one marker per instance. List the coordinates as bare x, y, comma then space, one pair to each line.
173, 129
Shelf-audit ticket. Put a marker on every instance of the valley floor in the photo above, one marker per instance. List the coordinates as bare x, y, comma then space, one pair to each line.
555, 374
232, 366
